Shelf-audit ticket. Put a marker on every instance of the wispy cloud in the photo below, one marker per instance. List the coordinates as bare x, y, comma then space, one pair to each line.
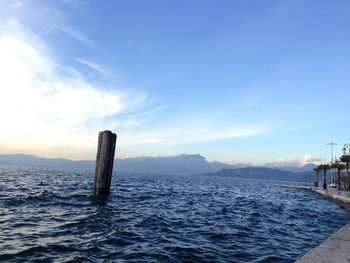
97, 67
51, 108
44, 106
200, 133
44, 18
73, 33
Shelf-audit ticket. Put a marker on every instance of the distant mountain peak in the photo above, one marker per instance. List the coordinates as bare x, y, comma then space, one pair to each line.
189, 155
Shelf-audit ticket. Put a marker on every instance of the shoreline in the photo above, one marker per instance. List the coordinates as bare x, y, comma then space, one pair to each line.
337, 247
333, 250
340, 197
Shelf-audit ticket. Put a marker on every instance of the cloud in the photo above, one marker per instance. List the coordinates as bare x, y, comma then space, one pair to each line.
194, 133
50, 108
45, 105
298, 161
97, 67
46, 19
73, 33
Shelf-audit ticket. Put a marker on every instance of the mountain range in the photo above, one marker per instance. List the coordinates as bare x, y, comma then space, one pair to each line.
180, 164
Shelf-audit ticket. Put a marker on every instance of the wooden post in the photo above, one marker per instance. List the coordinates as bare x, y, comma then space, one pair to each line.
104, 162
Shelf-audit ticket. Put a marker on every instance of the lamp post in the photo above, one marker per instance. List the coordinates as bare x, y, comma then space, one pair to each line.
331, 144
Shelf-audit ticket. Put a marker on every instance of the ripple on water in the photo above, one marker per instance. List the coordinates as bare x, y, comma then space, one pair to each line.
51, 215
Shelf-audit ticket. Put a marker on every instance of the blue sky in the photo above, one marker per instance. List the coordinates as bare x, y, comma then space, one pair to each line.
236, 81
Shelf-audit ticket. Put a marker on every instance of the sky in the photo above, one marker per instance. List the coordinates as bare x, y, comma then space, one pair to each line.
236, 81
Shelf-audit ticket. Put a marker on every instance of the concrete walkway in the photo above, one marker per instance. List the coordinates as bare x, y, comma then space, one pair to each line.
335, 249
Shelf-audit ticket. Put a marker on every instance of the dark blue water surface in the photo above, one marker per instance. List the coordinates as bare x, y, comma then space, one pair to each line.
50, 215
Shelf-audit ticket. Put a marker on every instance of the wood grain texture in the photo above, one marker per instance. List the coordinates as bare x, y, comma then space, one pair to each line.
104, 162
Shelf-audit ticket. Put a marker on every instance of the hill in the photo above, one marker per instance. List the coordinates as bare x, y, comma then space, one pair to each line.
260, 173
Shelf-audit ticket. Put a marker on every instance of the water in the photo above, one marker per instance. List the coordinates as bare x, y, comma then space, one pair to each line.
50, 215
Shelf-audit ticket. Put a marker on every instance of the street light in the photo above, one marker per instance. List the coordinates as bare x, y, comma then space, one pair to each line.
331, 144
330, 168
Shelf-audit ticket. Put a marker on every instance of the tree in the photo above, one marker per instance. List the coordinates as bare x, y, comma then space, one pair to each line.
346, 159
317, 170
339, 166
324, 167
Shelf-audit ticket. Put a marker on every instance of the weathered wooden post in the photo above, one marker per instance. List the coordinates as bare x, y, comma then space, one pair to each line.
104, 162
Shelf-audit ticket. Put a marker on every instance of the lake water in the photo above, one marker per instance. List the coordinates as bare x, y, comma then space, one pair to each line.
50, 215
